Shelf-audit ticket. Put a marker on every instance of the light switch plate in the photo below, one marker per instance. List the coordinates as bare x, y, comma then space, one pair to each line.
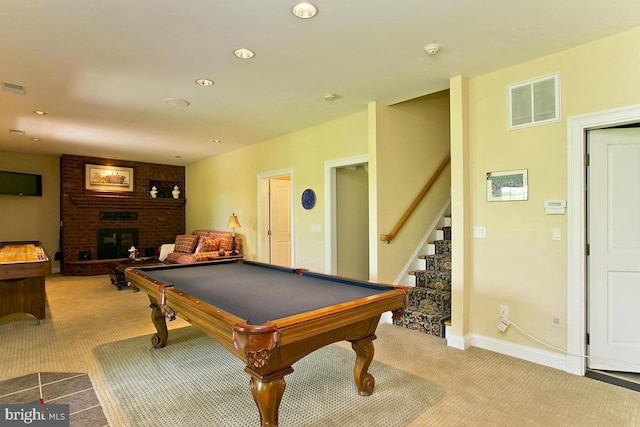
480, 232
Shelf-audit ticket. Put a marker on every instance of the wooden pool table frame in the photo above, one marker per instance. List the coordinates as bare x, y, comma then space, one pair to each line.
270, 349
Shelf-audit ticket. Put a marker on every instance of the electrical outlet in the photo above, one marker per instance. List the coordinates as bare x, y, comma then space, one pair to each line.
504, 324
556, 321
504, 310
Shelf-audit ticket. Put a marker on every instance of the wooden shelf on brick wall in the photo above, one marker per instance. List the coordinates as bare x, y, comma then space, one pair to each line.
123, 202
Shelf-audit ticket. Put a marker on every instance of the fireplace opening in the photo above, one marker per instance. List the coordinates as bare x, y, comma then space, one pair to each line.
115, 243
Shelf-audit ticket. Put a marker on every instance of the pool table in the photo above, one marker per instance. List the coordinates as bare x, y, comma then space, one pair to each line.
23, 267
269, 317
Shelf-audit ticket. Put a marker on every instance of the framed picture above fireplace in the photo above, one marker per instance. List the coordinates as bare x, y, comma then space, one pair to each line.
108, 178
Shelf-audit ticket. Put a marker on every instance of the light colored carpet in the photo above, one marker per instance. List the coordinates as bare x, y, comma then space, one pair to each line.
87, 318
193, 367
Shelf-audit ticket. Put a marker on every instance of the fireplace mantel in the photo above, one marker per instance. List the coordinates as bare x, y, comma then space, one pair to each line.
123, 202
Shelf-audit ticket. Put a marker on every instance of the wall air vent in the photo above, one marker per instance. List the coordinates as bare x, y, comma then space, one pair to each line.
534, 102
13, 88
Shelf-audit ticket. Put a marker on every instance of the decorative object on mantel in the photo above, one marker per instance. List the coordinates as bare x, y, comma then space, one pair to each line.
154, 192
133, 253
308, 199
176, 192
233, 224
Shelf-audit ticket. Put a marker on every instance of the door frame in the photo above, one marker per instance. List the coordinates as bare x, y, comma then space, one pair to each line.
275, 174
330, 239
577, 127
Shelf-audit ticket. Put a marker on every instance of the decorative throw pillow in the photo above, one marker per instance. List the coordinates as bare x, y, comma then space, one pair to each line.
225, 242
186, 243
208, 244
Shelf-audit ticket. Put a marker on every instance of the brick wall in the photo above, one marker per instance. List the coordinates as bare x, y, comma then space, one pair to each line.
158, 220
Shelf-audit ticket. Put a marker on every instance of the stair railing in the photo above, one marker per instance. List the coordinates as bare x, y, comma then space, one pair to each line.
389, 237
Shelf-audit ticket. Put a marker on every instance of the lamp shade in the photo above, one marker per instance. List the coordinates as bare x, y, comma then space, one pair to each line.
233, 222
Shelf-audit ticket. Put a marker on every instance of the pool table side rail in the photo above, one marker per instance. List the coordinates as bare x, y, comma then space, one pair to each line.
227, 328
191, 309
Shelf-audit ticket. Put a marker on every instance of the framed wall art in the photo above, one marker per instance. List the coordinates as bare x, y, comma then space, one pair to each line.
507, 186
108, 178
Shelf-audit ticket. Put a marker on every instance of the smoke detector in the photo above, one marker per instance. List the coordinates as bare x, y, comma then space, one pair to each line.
432, 49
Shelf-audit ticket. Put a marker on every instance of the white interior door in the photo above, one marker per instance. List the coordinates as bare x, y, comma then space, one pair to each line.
614, 241
281, 221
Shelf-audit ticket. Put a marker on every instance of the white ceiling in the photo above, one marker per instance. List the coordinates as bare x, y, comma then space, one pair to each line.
102, 69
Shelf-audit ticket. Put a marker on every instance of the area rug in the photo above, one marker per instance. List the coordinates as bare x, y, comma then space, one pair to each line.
195, 381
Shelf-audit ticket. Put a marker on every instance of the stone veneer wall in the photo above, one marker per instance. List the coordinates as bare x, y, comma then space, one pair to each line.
158, 220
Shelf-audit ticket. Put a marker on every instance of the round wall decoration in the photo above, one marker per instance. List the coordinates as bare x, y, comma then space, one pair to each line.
308, 199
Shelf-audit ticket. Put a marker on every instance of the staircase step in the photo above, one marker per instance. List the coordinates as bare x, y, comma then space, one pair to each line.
431, 247
443, 247
438, 263
431, 323
447, 233
429, 299
432, 279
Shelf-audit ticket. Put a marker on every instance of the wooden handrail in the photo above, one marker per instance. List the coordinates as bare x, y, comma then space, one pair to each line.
389, 237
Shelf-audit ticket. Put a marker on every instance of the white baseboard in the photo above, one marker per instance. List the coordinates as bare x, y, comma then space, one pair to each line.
456, 341
535, 355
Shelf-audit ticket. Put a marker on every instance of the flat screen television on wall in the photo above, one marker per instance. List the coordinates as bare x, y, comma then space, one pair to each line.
20, 184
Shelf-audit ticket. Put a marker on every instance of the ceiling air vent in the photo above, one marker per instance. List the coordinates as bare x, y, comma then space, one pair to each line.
534, 102
13, 88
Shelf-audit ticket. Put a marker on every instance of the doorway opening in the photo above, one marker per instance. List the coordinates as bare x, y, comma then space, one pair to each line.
353, 172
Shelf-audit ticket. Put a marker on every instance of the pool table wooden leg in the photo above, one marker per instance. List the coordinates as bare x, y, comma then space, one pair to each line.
364, 355
267, 395
160, 338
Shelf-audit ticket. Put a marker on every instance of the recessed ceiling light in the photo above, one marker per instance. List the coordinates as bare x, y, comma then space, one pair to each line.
305, 10
204, 82
35, 139
243, 53
39, 112
330, 97
177, 102
217, 141
178, 157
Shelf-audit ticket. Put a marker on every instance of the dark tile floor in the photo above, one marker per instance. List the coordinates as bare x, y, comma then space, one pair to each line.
73, 389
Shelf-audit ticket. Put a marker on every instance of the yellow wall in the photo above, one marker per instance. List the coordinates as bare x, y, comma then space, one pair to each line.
29, 217
352, 228
412, 139
518, 264
228, 183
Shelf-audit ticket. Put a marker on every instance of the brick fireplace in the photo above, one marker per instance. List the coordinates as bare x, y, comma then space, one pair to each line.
98, 227
114, 243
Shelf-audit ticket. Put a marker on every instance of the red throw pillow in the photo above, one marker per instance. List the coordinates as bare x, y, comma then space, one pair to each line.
208, 244
186, 243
